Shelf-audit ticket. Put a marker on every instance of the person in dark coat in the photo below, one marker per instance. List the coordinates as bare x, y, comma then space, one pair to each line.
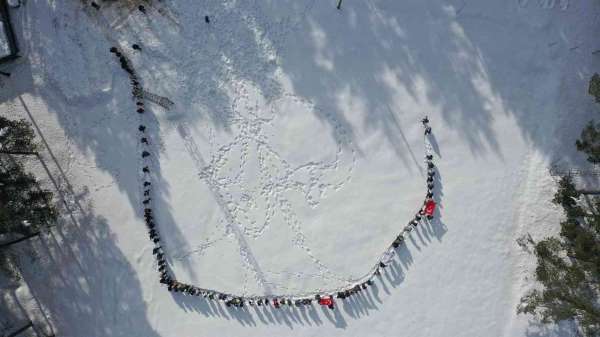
136, 46
142, 9
145, 154
142, 128
206, 19
147, 183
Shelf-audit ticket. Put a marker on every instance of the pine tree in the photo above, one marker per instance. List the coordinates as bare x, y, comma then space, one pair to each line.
589, 142
25, 208
594, 88
16, 136
569, 267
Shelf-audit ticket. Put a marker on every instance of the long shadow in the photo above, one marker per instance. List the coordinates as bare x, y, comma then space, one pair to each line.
81, 275
423, 55
564, 329
454, 59
396, 51
359, 305
12, 315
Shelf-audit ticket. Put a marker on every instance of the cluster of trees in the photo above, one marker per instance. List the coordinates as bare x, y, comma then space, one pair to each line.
25, 207
569, 265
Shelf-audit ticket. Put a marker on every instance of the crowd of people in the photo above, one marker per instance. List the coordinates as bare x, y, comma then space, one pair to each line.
166, 277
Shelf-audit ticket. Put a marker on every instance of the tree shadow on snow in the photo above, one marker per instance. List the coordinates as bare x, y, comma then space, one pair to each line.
80, 275
564, 329
388, 66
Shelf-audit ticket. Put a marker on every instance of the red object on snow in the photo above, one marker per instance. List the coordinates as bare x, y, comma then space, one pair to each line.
429, 207
326, 301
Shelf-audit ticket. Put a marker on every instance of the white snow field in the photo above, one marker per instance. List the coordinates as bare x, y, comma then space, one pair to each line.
293, 155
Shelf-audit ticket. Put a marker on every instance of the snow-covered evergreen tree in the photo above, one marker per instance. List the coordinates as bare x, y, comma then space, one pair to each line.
589, 143
569, 265
25, 208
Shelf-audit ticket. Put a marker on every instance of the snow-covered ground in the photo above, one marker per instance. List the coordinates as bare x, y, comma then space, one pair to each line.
293, 155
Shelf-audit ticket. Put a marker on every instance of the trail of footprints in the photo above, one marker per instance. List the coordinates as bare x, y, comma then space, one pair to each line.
226, 171
275, 177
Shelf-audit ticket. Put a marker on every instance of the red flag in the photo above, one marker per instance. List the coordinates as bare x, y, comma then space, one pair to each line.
429, 207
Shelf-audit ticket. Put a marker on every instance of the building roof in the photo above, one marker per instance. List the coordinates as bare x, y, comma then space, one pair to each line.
8, 45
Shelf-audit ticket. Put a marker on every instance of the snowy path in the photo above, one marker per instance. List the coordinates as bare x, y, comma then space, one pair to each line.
292, 154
